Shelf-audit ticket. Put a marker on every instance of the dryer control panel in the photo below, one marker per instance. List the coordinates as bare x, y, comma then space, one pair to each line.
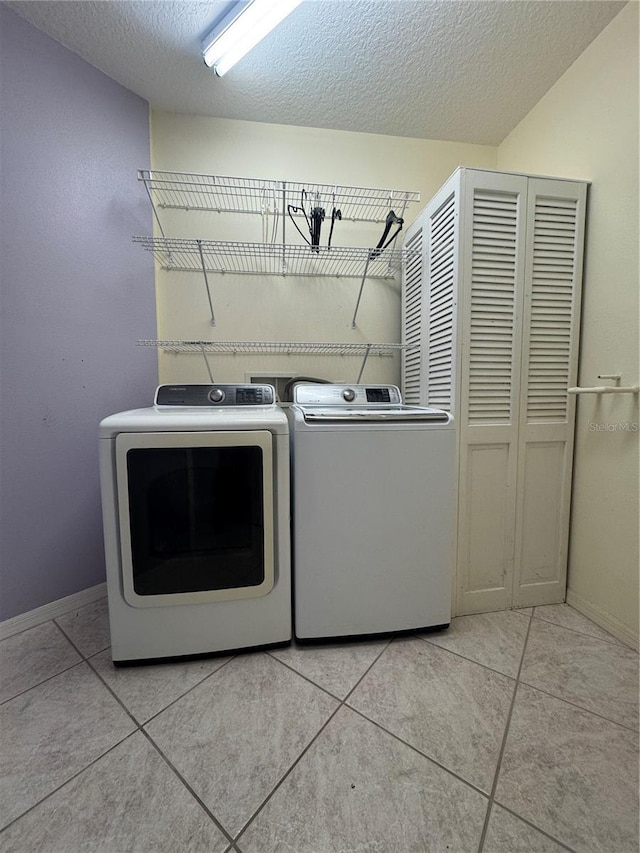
215, 396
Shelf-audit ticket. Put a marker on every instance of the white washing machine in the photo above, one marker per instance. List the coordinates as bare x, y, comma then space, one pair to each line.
373, 511
196, 510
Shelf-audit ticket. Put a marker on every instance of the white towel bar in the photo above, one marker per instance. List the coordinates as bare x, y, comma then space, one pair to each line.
601, 389
607, 389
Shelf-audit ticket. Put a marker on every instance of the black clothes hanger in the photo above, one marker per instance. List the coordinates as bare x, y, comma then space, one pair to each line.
314, 221
392, 219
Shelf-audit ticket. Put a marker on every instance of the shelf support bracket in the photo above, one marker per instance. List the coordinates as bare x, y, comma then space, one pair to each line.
364, 361
395, 239
364, 278
145, 180
208, 366
206, 282
284, 220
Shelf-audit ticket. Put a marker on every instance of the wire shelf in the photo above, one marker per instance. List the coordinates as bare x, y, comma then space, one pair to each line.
222, 194
275, 347
222, 257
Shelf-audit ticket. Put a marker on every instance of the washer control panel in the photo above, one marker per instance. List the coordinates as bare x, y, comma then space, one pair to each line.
215, 396
347, 395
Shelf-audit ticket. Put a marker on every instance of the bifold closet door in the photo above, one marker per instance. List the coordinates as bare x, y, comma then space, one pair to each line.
493, 214
553, 276
429, 303
492, 299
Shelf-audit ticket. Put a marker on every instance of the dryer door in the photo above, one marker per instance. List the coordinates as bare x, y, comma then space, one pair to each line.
196, 516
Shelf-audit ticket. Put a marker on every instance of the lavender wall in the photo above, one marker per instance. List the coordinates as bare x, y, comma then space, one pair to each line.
76, 294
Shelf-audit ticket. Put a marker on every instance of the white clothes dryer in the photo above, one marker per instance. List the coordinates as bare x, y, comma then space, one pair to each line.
195, 497
373, 512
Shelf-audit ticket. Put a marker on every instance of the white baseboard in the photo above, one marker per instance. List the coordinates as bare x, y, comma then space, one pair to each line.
52, 610
623, 633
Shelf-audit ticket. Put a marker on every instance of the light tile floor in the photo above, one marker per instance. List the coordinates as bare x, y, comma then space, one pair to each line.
512, 732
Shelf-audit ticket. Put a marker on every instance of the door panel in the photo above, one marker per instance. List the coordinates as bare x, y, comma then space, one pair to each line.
543, 522
492, 273
196, 516
552, 295
486, 519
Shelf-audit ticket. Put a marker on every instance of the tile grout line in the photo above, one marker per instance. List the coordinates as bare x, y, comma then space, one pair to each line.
67, 781
266, 652
415, 749
112, 692
612, 642
140, 728
369, 668
306, 677
177, 774
191, 791
40, 683
83, 659
86, 658
469, 660
189, 690
533, 686
396, 737
315, 684
286, 774
496, 775
379, 726
75, 646
342, 703
580, 707
492, 799
563, 698
537, 829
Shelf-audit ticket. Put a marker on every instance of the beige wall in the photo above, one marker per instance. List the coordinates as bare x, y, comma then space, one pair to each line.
587, 127
288, 309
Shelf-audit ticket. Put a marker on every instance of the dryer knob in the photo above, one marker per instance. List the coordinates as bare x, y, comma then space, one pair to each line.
216, 395
349, 394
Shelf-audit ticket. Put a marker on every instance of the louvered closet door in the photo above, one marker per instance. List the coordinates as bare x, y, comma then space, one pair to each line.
412, 315
491, 289
440, 302
553, 276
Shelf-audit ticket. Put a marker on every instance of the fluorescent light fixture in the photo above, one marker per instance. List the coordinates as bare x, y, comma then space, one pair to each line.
241, 30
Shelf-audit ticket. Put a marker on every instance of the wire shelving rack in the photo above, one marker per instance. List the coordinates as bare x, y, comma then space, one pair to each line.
224, 194
263, 259
218, 256
205, 348
278, 200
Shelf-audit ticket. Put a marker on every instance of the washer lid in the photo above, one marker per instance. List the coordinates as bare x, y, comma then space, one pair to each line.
392, 414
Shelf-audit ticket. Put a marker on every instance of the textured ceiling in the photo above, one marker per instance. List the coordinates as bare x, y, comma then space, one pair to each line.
455, 70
